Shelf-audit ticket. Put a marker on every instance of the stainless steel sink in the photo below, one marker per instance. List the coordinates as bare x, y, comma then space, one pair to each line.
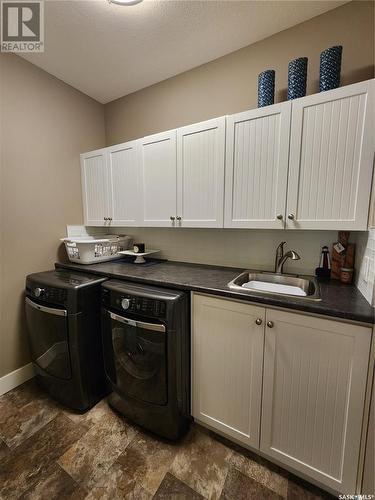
261, 282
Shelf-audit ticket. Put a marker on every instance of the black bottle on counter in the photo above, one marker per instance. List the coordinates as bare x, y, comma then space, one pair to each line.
324, 269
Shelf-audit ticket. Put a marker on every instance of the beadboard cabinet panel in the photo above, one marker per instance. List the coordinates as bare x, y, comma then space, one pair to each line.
124, 192
314, 385
227, 366
331, 159
257, 154
200, 170
159, 179
95, 181
301, 164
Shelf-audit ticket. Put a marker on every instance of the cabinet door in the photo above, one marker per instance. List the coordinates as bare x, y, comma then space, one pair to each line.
256, 169
158, 179
200, 182
331, 159
95, 184
313, 396
123, 164
227, 366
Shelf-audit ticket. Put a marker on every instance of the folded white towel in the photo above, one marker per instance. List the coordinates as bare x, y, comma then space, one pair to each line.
274, 288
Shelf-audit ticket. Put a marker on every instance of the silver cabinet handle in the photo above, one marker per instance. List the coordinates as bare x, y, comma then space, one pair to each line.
291, 216
279, 216
258, 321
178, 217
172, 218
270, 324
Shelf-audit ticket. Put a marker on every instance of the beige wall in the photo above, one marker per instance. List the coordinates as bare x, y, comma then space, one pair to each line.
229, 84
45, 124
244, 248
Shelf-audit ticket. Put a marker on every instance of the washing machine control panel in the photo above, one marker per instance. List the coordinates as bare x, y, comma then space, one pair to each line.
50, 294
141, 305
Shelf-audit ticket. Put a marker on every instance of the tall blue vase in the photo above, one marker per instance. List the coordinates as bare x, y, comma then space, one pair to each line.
330, 68
297, 78
266, 88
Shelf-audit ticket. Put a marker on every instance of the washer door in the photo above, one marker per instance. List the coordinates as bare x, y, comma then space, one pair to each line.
48, 331
139, 363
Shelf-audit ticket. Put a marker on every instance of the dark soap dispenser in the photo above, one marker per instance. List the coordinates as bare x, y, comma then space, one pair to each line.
324, 269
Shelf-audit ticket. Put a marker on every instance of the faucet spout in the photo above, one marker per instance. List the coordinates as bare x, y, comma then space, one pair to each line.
291, 254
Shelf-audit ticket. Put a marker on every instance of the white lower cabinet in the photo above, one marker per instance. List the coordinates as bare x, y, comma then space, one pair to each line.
314, 381
227, 366
314, 385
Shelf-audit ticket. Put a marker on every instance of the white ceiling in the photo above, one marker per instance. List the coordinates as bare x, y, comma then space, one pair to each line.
107, 51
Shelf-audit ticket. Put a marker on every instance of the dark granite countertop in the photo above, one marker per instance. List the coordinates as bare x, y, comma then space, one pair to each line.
338, 300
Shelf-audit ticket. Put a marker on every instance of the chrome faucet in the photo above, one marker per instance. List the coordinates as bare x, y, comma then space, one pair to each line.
280, 258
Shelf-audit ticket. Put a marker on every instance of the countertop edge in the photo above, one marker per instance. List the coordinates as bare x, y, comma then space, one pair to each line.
264, 300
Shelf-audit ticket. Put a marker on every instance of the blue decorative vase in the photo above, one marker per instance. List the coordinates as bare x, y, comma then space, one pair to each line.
330, 68
266, 88
297, 78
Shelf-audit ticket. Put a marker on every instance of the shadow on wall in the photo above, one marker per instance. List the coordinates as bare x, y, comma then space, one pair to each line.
61, 254
21, 324
357, 75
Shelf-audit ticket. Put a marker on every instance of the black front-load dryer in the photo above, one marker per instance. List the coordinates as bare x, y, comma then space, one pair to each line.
63, 319
146, 340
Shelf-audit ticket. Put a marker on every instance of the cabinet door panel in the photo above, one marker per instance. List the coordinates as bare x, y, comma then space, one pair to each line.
331, 158
94, 178
123, 166
313, 396
158, 178
227, 366
257, 154
200, 183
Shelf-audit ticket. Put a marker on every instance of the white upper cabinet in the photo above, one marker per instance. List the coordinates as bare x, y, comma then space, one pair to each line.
331, 159
124, 193
302, 164
200, 179
227, 352
95, 181
257, 151
315, 373
158, 179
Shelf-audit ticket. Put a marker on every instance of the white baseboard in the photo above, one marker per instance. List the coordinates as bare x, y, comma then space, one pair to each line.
15, 378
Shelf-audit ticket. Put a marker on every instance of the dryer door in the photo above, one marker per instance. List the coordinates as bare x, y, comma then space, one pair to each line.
48, 332
138, 366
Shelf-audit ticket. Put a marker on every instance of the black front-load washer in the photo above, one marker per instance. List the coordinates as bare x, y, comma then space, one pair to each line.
63, 319
146, 345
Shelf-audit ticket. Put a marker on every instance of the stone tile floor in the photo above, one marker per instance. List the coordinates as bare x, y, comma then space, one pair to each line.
49, 452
